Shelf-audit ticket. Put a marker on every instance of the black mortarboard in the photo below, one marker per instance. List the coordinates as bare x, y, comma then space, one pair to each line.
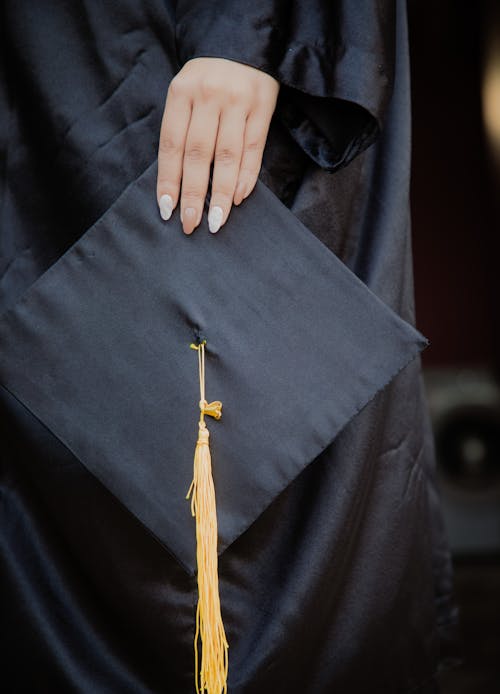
99, 350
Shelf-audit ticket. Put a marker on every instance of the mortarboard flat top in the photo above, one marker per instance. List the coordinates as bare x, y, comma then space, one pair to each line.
98, 350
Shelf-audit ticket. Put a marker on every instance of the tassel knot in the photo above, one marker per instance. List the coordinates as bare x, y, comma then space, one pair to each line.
214, 409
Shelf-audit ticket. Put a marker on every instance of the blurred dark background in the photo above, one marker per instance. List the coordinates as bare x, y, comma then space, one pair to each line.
455, 54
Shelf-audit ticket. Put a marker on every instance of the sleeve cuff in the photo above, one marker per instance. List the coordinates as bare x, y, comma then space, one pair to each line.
334, 65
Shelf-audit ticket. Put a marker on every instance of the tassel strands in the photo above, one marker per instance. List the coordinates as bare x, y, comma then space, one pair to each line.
209, 626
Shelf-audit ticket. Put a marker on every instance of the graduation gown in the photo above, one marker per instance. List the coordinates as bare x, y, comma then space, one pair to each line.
339, 579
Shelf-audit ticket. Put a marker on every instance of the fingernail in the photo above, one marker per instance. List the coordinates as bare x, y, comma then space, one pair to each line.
215, 219
189, 219
166, 207
239, 193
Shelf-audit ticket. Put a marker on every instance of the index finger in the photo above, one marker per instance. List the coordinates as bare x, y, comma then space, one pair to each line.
174, 128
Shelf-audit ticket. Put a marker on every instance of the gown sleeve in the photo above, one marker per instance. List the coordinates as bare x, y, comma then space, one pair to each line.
333, 59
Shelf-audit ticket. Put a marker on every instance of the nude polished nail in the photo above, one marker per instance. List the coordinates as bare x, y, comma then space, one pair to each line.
189, 219
239, 194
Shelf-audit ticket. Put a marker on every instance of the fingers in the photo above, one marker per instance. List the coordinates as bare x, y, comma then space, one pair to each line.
198, 155
174, 128
227, 160
253, 149
216, 110
256, 130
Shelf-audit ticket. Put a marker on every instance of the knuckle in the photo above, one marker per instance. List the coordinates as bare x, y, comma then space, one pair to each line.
209, 90
260, 104
253, 146
196, 151
238, 95
168, 146
225, 155
177, 87
191, 193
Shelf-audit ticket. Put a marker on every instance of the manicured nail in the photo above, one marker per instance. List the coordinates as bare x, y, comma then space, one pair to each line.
166, 207
189, 219
215, 219
239, 193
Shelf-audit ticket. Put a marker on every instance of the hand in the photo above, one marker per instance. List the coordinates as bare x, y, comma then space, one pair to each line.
216, 110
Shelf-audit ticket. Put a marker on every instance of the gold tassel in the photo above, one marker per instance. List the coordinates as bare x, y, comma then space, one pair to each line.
209, 626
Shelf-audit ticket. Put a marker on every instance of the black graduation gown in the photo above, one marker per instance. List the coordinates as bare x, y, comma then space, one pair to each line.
343, 582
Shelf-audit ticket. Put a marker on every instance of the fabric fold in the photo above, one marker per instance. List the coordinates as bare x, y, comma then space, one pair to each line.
336, 76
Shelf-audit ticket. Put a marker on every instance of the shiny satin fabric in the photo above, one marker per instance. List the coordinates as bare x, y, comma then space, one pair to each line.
331, 58
343, 582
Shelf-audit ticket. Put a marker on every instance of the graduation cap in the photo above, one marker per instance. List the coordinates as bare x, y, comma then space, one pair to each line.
288, 339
